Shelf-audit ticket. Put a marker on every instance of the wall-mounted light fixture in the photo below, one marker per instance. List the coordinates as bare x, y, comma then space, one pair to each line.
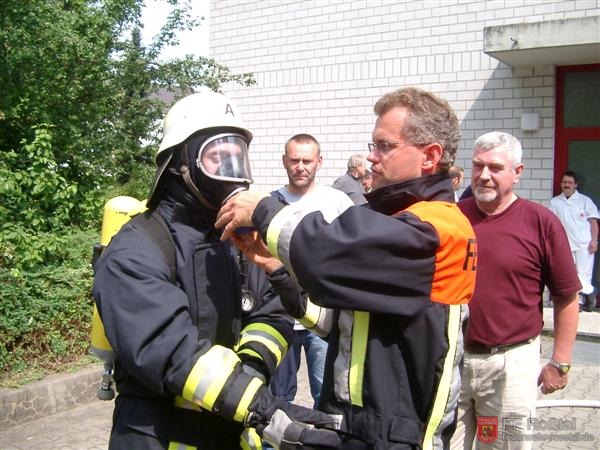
530, 121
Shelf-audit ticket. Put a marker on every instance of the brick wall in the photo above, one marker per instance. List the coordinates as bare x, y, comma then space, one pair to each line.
320, 66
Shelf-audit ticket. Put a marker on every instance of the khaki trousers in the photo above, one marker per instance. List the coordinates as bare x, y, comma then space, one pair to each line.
503, 386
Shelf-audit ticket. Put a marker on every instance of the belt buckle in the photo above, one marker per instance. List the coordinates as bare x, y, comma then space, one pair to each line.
494, 350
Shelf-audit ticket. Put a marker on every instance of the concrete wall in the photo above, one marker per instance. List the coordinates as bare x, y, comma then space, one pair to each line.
320, 66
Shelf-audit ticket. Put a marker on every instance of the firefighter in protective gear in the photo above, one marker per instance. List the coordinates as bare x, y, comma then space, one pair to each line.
191, 364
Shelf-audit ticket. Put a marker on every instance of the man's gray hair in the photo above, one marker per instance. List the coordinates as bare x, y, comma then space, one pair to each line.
494, 139
356, 160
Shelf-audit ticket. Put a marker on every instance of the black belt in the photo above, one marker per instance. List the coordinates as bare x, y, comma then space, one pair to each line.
486, 350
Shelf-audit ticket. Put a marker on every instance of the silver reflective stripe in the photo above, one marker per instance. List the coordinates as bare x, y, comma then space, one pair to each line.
448, 389
341, 367
454, 393
280, 231
279, 234
209, 374
317, 319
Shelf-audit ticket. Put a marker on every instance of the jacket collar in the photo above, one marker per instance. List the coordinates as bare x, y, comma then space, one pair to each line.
573, 196
397, 197
173, 211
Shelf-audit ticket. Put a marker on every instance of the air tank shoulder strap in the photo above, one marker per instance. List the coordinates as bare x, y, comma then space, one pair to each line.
156, 228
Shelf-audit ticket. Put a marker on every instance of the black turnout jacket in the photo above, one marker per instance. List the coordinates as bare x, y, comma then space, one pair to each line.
389, 283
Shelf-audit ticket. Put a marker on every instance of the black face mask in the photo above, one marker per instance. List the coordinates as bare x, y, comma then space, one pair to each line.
214, 167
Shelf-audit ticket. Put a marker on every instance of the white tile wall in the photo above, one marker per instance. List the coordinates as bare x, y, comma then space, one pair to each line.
320, 65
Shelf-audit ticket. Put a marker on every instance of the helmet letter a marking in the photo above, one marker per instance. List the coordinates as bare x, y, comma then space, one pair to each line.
229, 110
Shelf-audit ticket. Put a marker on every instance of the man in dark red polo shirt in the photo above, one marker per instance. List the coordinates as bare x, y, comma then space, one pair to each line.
521, 247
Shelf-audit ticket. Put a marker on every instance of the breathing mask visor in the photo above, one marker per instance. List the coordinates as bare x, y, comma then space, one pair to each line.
221, 167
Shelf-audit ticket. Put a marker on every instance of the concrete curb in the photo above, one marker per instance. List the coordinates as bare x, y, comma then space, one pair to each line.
581, 335
54, 393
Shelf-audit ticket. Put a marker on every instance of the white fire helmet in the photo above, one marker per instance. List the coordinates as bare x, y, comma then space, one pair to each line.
202, 112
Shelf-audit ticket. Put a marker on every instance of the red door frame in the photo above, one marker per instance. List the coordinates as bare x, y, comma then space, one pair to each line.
563, 135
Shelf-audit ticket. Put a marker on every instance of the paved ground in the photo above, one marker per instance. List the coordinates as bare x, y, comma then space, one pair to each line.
87, 427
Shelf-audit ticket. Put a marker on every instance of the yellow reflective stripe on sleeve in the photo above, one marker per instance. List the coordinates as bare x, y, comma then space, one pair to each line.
208, 376
443, 390
250, 352
250, 440
273, 348
360, 336
179, 446
181, 402
317, 319
311, 317
265, 335
274, 230
267, 329
242, 410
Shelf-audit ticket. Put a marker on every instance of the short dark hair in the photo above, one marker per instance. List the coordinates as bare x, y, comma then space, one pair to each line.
303, 138
455, 171
569, 173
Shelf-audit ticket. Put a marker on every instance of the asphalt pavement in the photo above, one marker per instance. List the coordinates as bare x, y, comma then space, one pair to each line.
558, 427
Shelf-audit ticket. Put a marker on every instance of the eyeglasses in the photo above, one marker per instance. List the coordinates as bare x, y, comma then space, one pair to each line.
383, 146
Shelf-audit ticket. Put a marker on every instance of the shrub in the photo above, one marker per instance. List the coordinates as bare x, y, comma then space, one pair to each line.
45, 312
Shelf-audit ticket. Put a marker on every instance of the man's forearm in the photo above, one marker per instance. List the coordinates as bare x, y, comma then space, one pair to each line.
566, 316
593, 247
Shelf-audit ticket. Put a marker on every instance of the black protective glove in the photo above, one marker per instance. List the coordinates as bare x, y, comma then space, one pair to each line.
286, 425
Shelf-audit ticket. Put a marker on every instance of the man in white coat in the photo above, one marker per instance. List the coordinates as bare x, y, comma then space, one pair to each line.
579, 216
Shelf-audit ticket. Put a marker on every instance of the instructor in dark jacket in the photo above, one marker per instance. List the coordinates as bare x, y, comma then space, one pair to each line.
389, 282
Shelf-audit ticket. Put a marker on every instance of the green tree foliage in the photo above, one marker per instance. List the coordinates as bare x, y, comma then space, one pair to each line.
78, 66
79, 112
36, 200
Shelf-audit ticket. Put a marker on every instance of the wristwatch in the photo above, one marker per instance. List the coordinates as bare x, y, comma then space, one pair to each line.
563, 367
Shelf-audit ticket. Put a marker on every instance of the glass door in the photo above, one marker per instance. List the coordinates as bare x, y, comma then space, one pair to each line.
578, 127
577, 144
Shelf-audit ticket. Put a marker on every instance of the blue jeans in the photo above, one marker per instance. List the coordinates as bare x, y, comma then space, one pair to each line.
284, 383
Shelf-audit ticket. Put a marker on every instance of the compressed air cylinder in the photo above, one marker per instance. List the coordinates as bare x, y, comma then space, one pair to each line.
117, 212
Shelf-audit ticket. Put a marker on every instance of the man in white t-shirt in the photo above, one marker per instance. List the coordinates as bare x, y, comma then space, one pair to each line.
301, 160
579, 216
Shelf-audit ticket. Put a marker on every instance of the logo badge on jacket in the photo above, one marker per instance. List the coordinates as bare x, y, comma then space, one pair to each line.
487, 429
